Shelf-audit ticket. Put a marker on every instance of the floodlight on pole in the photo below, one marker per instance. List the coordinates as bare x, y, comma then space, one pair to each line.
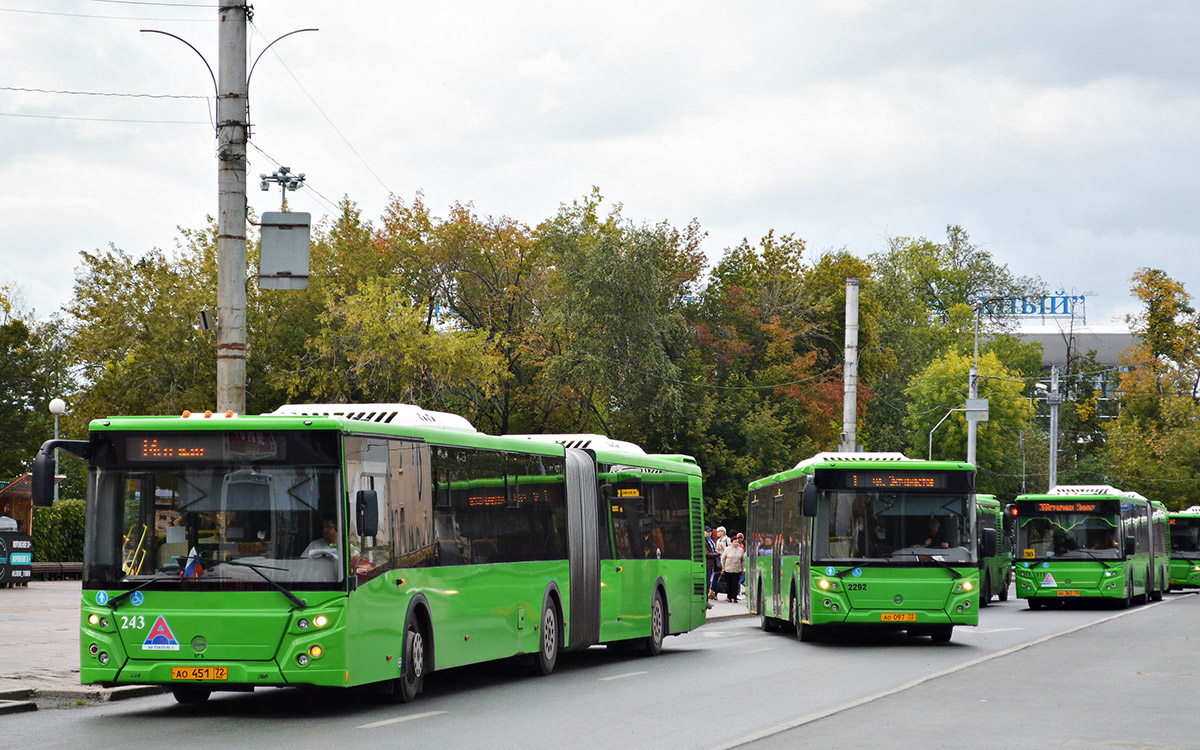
286, 181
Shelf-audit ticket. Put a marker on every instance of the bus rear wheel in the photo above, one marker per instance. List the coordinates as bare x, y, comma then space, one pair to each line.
658, 626
766, 622
941, 633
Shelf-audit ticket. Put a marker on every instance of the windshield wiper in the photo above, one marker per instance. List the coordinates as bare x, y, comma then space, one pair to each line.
300, 603
943, 563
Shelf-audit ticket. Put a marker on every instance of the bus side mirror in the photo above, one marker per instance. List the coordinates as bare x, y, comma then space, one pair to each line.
366, 505
43, 468
1130, 545
989, 543
809, 504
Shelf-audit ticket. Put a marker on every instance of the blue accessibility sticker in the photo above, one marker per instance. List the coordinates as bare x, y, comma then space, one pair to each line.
102, 598
136, 599
857, 572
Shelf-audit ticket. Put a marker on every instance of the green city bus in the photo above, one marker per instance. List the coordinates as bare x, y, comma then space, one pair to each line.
870, 539
338, 545
995, 571
1090, 542
1185, 548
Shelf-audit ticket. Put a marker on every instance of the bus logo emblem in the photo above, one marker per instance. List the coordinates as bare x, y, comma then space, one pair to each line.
1049, 580
160, 637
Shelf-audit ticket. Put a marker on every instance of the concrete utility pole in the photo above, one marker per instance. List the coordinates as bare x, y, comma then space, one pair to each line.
232, 134
973, 391
1053, 398
850, 370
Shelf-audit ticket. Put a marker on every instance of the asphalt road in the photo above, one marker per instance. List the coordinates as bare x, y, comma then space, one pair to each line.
1051, 678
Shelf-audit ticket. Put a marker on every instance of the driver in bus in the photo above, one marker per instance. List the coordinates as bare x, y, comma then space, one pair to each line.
326, 544
937, 534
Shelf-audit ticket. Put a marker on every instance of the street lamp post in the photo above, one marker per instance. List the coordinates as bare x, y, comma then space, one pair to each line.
57, 408
939, 424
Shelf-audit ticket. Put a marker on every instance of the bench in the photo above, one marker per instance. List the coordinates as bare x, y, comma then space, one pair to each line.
57, 571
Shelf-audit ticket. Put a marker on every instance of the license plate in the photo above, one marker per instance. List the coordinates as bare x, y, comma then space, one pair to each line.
199, 673
1068, 593
898, 617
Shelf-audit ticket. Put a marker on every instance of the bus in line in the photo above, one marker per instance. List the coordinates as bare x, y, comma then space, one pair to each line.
346, 545
1185, 548
1080, 542
995, 571
869, 539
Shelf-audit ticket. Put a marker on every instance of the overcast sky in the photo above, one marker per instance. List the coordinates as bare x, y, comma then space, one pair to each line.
1060, 135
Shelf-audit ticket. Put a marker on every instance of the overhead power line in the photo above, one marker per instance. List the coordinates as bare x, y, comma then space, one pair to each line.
103, 93
105, 18
103, 119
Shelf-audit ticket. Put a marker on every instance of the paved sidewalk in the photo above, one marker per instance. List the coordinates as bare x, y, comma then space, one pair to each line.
39, 647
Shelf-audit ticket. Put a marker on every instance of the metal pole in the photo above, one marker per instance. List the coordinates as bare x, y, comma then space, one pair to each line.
973, 389
232, 133
939, 424
850, 370
56, 460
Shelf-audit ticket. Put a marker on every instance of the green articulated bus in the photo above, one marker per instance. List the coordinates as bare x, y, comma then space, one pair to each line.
870, 539
995, 571
338, 546
1185, 548
1090, 542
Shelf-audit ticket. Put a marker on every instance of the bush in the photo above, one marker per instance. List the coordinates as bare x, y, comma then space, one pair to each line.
58, 532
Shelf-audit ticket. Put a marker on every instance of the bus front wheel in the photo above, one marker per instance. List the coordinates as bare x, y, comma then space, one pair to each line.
806, 633
411, 681
985, 594
942, 633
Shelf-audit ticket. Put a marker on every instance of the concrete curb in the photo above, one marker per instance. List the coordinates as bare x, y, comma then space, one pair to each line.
26, 699
16, 707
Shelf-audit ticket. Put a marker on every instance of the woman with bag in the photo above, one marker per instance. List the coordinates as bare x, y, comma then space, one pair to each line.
733, 563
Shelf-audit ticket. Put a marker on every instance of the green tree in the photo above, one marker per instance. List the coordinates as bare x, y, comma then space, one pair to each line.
942, 387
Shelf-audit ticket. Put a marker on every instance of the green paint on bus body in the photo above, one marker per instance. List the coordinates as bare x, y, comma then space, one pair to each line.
860, 557
1185, 549
1090, 542
231, 628
994, 570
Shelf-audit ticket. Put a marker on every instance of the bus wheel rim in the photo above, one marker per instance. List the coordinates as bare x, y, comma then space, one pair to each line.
549, 633
417, 657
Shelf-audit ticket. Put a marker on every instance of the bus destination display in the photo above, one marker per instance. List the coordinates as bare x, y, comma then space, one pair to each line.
243, 446
909, 480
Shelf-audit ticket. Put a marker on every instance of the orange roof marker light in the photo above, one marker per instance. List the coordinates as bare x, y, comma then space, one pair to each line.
187, 413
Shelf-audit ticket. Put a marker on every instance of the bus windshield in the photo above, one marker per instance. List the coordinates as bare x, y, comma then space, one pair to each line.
225, 509
893, 526
1185, 537
1071, 530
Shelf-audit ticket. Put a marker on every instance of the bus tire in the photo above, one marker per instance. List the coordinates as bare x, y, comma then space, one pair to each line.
985, 593
190, 694
1127, 601
653, 645
942, 633
1035, 603
551, 639
411, 681
806, 633
1003, 593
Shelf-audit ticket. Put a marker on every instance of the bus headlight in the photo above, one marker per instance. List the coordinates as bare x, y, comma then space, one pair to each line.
320, 621
823, 584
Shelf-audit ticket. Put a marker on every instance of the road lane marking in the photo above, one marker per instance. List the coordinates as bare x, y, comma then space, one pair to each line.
810, 718
621, 676
399, 719
760, 650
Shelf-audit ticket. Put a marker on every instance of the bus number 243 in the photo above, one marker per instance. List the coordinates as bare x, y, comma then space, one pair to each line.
132, 621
